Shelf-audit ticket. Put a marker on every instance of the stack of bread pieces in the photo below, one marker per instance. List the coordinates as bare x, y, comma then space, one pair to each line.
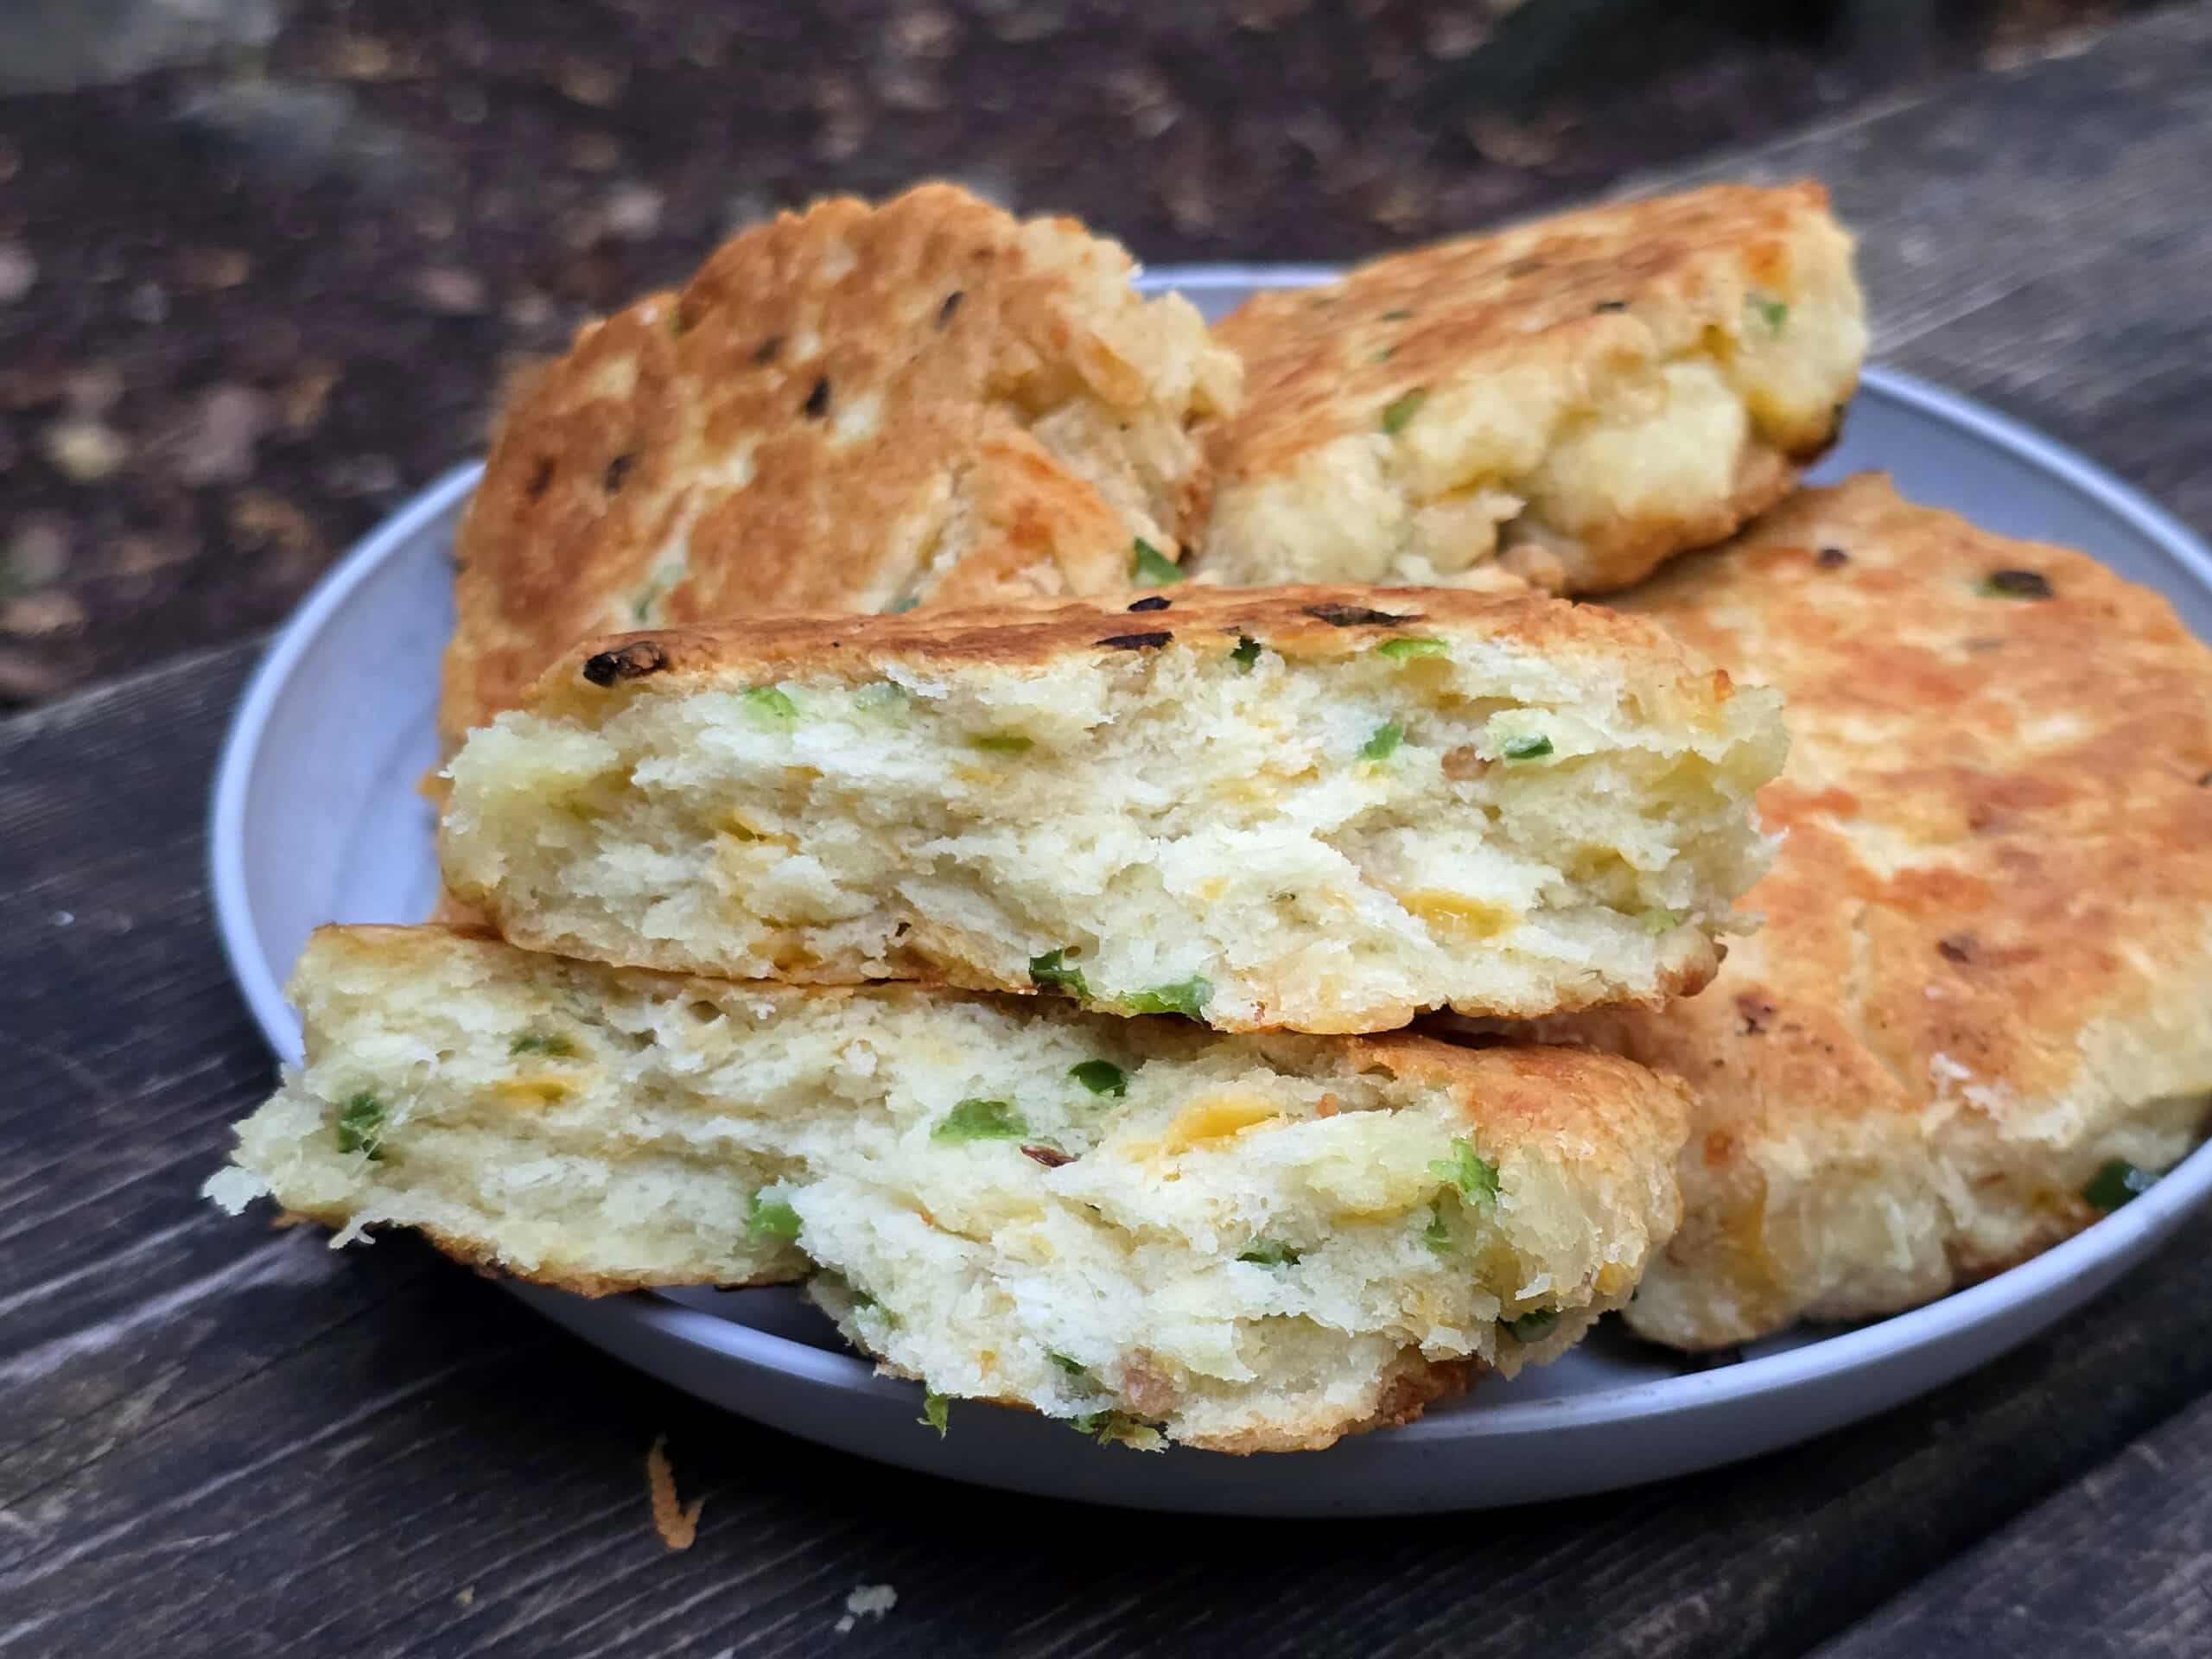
1109, 852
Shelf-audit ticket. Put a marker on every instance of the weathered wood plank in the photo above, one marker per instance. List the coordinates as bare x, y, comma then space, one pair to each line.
2119, 1563
128, 1051
342, 1500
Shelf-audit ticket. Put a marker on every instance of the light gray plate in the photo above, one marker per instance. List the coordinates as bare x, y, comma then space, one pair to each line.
317, 819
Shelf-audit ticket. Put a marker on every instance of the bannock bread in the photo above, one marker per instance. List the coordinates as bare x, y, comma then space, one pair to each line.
1570, 401
1243, 1243
1973, 1018
1319, 809
854, 408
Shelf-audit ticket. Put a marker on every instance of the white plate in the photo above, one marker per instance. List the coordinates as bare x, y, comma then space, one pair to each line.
317, 819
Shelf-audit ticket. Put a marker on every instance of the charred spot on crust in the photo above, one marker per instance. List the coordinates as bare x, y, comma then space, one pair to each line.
1353, 616
631, 662
2017, 584
2205, 781
1155, 603
767, 349
817, 401
1756, 1012
618, 470
1609, 305
540, 479
1831, 558
1050, 1157
1135, 641
1959, 947
951, 304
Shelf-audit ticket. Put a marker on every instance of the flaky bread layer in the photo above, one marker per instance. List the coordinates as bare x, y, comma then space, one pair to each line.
1322, 809
1240, 1243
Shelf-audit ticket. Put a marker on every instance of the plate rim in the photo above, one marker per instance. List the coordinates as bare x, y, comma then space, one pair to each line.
2111, 1239
229, 889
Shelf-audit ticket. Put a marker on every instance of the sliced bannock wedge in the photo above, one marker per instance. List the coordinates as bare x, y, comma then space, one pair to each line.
1318, 809
1136, 1225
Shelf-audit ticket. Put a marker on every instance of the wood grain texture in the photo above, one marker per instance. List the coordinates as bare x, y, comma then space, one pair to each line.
220, 1438
2119, 1563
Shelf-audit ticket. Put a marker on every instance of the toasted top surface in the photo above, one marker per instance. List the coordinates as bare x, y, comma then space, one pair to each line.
1995, 893
849, 408
1300, 622
1569, 402
1593, 1108
1634, 280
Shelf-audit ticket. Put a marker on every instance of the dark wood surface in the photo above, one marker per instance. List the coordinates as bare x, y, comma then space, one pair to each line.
217, 1437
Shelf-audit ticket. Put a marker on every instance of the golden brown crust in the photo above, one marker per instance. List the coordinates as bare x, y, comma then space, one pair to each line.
1414, 1384
473, 1253
1300, 622
1571, 304
1581, 285
1989, 932
1619, 1113
1407, 1392
831, 408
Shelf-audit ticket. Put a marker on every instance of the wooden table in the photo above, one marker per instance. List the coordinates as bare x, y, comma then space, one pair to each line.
217, 1437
